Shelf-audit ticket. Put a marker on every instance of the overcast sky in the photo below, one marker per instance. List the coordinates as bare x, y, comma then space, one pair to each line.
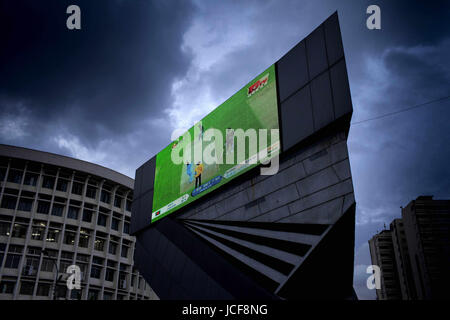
112, 92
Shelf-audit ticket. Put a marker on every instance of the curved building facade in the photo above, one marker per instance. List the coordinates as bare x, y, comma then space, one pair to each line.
57, 211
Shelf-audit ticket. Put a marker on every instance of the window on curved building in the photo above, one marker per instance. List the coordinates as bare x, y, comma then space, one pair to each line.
26, 288
37, 233
83, 267
61, 291
64, 265
77, 188
43, 207
25, 204
67, 255
107, 295
62, 185
31, 266
91, 192
87, 215
117, 202
93, 294
105, 196
57, 210
4, 228
83, 257
14, 176
12, 261
102, 219
112, 248
126, 227
72, 213
69, 237
124, 253
53, 235
48, 182
35, 251
99, 244
19, 231
122, 279
47, 265
96, 272
43, 290
9, 202
115, 224
30, 179
2, 174
109, 275
84, 238
97, 260
75, 294
15, 248
7, 286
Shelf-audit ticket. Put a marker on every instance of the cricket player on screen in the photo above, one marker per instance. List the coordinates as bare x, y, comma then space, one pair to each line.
229, 140
189, 172
198, 174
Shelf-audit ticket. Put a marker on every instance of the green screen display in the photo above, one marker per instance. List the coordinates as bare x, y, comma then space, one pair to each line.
192, 174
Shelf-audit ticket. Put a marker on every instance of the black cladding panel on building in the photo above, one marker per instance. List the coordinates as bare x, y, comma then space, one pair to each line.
297, 117
316, 52
322, 101
317, 65
333, 40
292, 71
340, 89
143, 195
149, 175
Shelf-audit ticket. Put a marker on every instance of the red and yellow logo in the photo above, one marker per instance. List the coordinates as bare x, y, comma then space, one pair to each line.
258, 85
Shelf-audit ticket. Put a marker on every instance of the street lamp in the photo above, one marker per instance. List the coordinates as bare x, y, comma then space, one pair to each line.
58, 276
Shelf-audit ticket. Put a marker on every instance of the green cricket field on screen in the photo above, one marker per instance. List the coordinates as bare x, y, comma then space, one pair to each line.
252, 107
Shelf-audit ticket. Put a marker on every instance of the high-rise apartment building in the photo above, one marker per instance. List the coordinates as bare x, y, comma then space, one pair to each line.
427, 229
418, 248
401, 255
382, 254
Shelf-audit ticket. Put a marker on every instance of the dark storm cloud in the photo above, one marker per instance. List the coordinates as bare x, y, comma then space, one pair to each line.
100, 80
104, 93
408, 150
397, 158
414, 22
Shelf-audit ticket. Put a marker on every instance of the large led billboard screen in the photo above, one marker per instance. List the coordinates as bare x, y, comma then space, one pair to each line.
234, 138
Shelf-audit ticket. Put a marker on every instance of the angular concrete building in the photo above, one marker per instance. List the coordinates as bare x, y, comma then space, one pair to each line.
283, 236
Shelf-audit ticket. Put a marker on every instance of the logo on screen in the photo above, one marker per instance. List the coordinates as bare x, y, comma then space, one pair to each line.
257, 85
157, 213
